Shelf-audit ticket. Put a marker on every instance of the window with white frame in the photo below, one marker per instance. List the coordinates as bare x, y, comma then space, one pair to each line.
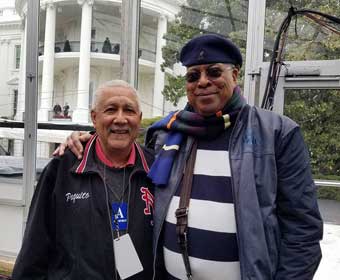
17, 50
15, 102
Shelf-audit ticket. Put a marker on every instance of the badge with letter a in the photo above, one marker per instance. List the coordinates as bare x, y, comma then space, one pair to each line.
119, 216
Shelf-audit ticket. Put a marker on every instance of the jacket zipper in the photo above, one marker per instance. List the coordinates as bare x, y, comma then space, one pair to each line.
109, 214
112, 235
233, 192
108, 209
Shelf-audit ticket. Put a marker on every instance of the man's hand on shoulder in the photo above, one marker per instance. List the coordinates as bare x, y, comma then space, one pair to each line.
74, 143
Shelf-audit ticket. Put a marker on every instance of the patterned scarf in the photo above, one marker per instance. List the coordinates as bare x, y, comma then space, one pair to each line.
188, 123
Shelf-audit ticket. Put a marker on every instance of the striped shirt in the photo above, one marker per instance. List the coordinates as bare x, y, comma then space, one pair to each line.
212, 240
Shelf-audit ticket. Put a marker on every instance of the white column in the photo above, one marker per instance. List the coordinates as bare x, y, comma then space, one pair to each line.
48, 66
22, 73
158, 99
4, 71
18, 144
8, 43
81, 113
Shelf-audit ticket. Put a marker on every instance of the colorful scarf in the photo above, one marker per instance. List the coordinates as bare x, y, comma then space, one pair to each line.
188, 123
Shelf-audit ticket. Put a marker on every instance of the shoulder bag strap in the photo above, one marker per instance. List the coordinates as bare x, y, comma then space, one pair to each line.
183, 209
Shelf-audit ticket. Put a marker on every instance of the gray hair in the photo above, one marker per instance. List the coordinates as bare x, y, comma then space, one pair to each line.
113, 84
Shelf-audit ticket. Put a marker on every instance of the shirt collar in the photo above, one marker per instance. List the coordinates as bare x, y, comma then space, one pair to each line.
100, 153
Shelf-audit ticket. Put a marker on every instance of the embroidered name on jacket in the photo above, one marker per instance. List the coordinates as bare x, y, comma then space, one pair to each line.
72, 197
148, 199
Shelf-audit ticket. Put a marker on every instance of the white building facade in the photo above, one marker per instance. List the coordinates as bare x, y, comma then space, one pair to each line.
79, 49
75, 57
10, 48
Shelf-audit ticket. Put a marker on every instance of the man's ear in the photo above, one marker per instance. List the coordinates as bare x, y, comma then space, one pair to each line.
235, 73
93, 118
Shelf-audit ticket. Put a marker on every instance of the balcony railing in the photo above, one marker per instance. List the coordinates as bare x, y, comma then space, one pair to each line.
98, 47
60, 116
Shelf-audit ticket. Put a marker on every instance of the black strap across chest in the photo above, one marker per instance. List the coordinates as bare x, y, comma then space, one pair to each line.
183, 209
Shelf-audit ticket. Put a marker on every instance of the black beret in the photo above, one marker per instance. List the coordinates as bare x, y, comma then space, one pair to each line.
208, 49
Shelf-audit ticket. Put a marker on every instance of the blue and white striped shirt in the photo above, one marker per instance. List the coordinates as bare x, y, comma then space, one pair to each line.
212, 239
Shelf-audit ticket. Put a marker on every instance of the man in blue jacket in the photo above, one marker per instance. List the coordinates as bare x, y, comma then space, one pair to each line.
234, 196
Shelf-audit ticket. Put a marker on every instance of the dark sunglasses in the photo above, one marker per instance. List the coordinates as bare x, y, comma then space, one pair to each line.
212, 73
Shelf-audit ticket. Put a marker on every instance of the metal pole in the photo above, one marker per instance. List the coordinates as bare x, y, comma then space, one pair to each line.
30, 140
130, 41
255, 39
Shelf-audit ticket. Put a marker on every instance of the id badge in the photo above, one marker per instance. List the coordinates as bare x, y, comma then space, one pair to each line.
126, 258
119, 211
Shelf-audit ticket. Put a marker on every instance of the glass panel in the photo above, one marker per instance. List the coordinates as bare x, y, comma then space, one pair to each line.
150, 23
82, 54
306, 40
105, 33
10, 40
11, 139
317, 112
50, 96
86, 47
164, 32
10, 48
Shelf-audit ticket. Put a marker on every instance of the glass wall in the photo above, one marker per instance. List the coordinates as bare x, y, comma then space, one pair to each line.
79, 48
151, 29
317, 113
80, 44
308, 86
10, 61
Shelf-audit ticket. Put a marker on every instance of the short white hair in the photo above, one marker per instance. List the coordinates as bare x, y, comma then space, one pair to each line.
113, 84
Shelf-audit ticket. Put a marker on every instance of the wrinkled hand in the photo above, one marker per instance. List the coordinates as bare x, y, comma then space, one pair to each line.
73, 142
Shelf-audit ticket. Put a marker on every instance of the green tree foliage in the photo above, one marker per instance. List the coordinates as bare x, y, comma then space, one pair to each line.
317, 112
175, 89
146, 123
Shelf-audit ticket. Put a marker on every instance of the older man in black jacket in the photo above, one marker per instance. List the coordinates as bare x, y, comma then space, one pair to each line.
90, 217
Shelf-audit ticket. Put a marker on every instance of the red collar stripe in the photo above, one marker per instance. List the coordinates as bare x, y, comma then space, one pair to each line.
132, 158
82, 165
144, 162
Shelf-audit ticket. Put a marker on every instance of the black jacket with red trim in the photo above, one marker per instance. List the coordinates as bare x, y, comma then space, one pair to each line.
68, 233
